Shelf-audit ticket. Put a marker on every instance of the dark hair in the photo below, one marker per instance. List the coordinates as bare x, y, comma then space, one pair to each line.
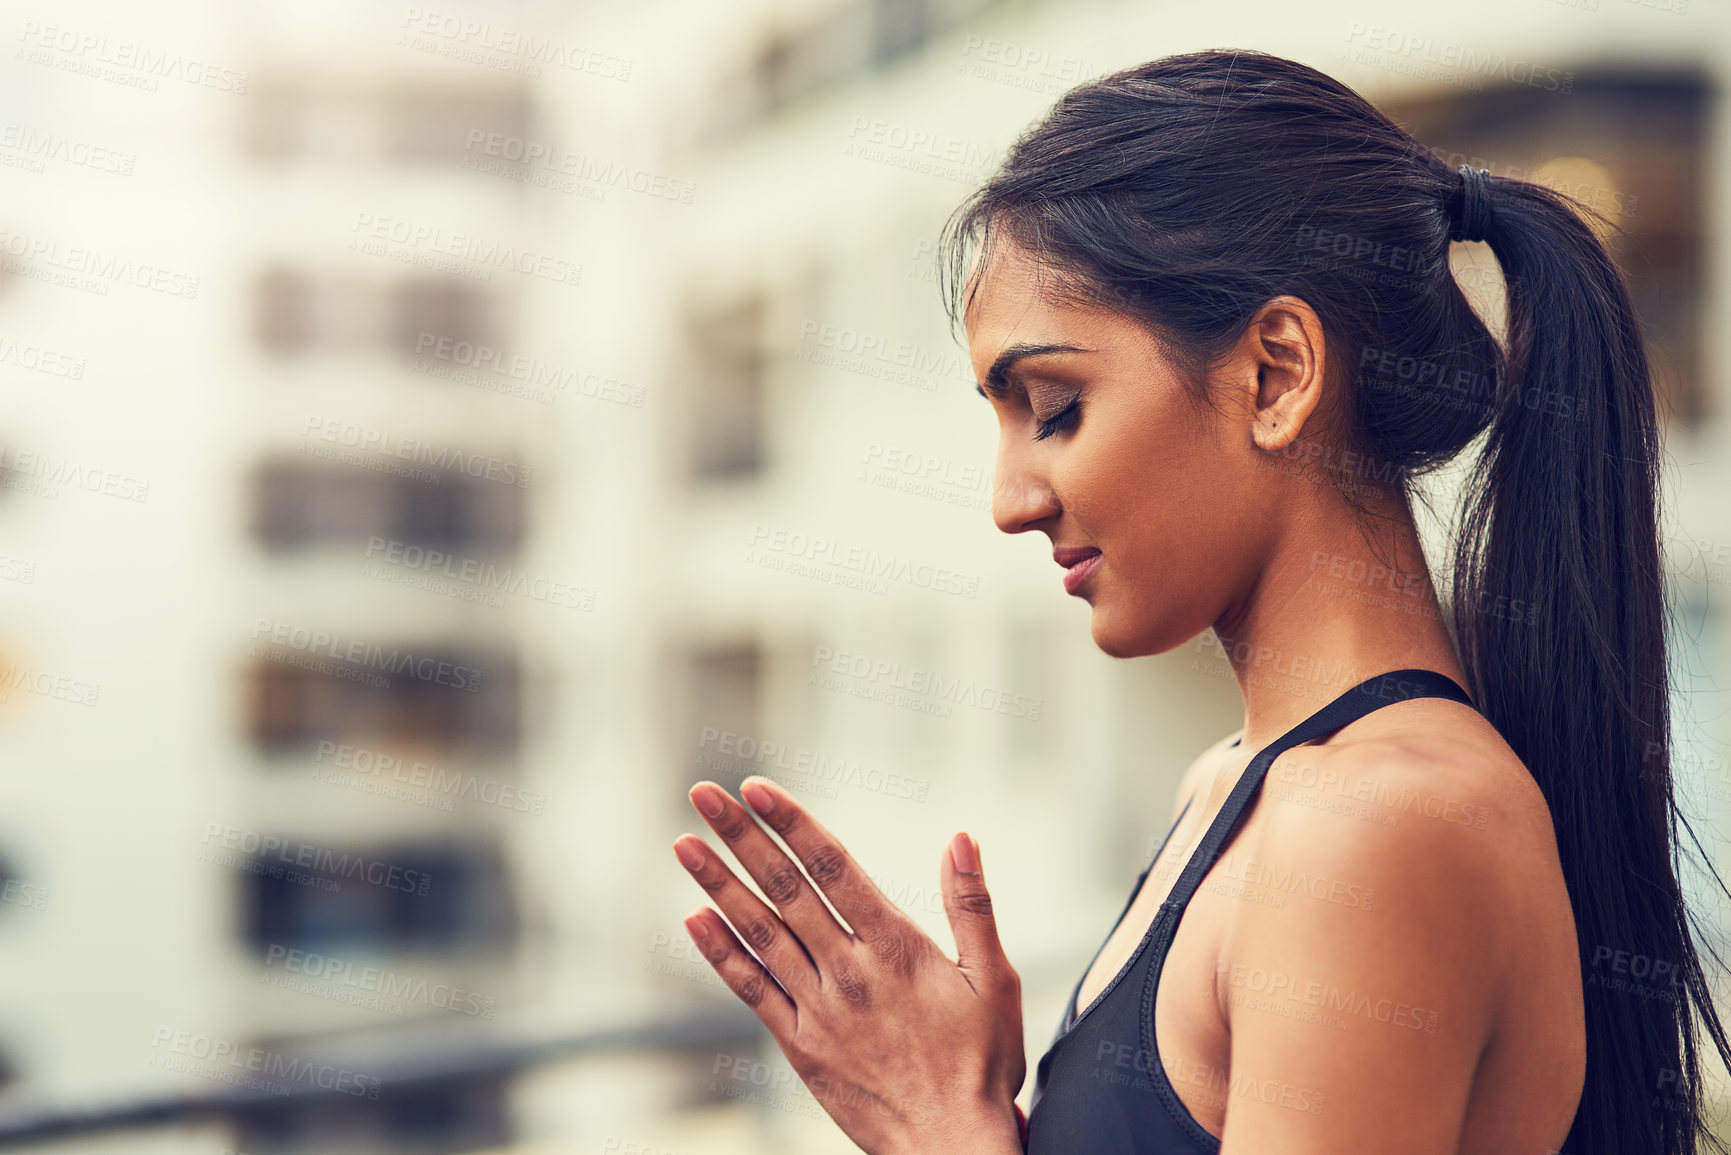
1186, 193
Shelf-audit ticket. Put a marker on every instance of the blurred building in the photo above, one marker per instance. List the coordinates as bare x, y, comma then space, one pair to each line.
530, 412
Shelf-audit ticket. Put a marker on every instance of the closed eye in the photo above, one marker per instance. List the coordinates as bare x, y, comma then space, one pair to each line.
1063, 419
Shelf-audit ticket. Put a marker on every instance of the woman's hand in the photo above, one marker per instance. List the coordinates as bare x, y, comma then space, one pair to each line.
907, 1050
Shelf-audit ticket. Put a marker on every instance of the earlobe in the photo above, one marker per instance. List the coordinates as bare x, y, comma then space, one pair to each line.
1273, 434
1288, 345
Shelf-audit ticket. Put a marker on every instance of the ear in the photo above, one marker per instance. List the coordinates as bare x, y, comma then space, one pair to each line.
1284, 346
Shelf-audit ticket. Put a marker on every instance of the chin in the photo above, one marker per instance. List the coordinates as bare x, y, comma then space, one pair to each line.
1118, 642
1117, 637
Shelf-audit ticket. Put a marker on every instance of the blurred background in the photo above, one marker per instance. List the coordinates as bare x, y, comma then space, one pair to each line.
434, 436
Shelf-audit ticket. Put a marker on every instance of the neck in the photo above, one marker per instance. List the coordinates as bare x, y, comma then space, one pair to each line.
1330, 609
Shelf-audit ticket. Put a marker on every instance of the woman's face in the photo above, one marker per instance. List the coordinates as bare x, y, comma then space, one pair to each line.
1177, 499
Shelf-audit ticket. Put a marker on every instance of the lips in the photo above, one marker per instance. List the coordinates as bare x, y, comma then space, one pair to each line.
1070, 555
1078, 563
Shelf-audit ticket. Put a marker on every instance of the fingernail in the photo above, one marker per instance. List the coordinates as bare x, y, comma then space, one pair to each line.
690, 854
759, 796
965, 854
708, 800
698, 926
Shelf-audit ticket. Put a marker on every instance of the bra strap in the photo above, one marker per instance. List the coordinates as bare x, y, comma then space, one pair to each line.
1369, 695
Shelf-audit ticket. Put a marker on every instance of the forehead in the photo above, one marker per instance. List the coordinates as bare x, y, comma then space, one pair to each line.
1013, 301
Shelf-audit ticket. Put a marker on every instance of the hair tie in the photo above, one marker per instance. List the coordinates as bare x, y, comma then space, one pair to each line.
1473, 214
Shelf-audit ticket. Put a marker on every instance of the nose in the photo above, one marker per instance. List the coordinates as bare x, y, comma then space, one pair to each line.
1022, 498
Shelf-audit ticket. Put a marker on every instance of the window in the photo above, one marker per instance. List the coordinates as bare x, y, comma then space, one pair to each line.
296, 312
284, 321
439, 307
440, 125
382, 697
378, 899
722, 695
302, 505
725, 414
413, 121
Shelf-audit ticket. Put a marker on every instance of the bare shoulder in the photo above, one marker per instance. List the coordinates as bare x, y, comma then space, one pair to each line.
1403, 922
1431, 810
1441, 761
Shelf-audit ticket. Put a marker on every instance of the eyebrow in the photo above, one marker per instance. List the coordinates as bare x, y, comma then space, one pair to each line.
997, 377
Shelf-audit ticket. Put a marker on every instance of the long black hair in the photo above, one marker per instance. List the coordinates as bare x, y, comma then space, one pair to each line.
1186, 193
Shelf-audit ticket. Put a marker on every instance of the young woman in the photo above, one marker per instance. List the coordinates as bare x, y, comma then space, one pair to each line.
1425, 900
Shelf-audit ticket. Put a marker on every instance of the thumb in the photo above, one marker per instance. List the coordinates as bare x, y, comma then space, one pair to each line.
969, 907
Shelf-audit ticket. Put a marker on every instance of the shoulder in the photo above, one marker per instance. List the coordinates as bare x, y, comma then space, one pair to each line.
1445, 839
1378, 945
1421, 791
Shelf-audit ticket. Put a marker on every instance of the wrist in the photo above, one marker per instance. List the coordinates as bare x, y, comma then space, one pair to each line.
987, 1129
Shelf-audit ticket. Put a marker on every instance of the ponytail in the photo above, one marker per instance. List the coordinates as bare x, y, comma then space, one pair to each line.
1561, 512
1189, 191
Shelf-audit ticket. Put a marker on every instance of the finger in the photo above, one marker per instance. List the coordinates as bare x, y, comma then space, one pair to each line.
855, 896
979, 953
758, 925
799, 905
742, 973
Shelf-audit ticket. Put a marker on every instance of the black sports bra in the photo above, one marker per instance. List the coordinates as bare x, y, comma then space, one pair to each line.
1100, 1088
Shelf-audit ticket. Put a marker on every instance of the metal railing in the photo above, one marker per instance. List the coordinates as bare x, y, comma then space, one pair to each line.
397, 1065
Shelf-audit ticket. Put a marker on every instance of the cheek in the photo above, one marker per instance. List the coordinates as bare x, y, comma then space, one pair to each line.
1157, 493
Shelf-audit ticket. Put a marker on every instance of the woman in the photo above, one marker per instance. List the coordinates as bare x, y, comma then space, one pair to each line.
1211, 306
